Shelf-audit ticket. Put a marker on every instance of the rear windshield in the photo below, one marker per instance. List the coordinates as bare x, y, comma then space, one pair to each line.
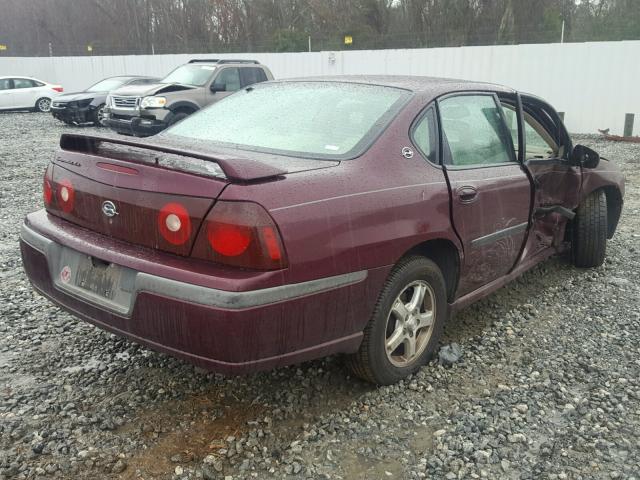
308, 119
196, 75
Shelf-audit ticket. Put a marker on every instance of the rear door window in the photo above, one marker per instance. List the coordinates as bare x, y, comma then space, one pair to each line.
228, 80
251, 75
23, 83
474, 131
5, 84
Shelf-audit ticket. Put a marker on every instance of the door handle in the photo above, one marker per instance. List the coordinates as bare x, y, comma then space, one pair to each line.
467, 194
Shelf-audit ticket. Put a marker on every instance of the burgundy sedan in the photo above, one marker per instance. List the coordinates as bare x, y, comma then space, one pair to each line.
302, 218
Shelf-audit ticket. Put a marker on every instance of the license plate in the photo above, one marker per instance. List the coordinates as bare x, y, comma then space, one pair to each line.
98, 277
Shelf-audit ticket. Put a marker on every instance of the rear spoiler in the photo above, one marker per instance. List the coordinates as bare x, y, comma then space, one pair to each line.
235, 169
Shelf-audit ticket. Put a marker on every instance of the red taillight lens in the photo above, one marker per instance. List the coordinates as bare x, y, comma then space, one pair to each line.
65, 195
47, 188
241, 234
58, 89
174, 224
228, 240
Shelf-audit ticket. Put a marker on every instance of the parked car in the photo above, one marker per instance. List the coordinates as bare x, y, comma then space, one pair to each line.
147, 110
304, 218
88, 106
26, 93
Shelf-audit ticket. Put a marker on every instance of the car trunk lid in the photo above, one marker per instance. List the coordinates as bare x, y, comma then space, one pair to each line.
123, 187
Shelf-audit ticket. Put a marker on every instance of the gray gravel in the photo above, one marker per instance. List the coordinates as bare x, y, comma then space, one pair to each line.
547, 385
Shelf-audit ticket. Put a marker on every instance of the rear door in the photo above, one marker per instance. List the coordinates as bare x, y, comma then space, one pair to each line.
251, 75
489, 189
6, 93
26, 92
547, 147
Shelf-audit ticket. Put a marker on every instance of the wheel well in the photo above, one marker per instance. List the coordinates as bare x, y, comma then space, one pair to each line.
614, 208
444, 254
187, 110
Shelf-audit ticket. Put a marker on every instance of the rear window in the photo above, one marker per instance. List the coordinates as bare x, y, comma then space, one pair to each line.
308, 119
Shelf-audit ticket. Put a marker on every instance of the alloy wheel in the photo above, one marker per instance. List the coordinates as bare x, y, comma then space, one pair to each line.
410, 323
44, 104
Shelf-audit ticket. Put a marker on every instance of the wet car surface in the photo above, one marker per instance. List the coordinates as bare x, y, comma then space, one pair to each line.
354, 225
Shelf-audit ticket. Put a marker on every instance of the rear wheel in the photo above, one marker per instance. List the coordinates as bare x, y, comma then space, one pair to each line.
589, 231
43, 105
404, 330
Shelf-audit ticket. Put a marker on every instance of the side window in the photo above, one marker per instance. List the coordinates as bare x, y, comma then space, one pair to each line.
474, 131
23, 83
423, 135
251, 75
228, 80
5, 84
539, 142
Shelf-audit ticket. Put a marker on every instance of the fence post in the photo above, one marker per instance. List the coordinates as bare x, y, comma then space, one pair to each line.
628, 124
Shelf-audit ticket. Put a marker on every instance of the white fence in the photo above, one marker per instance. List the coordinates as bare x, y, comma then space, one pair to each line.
595, 84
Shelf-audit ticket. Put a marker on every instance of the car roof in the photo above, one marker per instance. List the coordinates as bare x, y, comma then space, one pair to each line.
428, 86
223, 61
22, 76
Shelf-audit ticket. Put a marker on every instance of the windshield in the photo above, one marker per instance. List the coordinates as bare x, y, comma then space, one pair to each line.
316, 119
107, 85
196, 75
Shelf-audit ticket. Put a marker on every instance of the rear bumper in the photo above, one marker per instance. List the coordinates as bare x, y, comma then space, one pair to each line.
226, 331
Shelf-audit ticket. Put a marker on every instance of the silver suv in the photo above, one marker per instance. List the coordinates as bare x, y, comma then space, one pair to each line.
146, 110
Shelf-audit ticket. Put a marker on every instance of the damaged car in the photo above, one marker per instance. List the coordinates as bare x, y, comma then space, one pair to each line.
145, 111
88, 106
304, 218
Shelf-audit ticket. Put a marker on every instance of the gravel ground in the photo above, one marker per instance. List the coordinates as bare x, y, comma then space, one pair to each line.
547, 388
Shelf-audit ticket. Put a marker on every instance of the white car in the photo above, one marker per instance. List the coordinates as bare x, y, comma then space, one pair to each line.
26, 93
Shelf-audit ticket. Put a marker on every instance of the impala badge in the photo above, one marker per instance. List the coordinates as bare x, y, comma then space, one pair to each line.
109, 208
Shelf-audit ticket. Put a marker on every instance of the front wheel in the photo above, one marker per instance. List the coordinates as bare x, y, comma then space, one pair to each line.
589, 231
404, 330
43, 105
98, 115
177, 117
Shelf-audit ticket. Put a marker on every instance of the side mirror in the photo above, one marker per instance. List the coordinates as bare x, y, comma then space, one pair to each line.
585, 157
218, 87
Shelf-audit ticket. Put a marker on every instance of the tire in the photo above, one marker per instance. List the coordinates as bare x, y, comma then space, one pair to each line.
177, 117
375, 361
43, 105
96, 116
589, 231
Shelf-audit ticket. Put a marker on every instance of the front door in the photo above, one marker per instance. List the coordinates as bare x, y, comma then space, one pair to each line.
556, 181
226, 82
489, 189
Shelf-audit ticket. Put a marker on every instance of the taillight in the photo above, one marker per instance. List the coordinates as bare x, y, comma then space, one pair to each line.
65, 195
47, 188
174, 223
241, 234
58, 89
